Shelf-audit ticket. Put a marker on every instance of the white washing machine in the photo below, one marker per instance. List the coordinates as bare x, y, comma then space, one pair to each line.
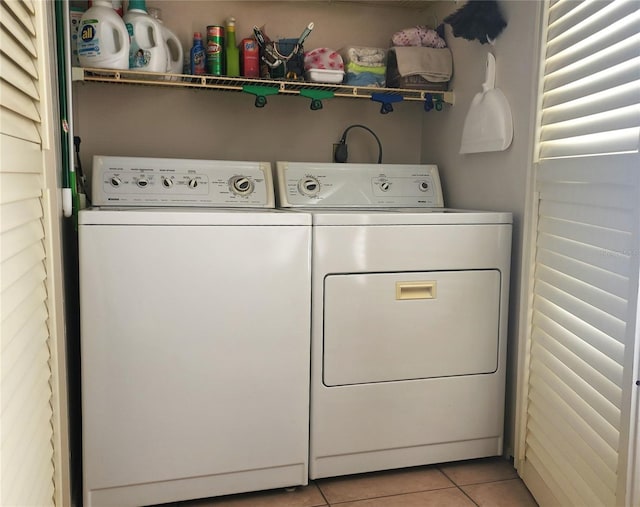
195, 302
409, 318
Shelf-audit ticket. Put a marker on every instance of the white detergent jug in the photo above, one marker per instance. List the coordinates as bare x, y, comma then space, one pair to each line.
148, 50
103, 40
175, 53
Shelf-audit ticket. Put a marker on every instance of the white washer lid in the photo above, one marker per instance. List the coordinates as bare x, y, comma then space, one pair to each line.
190, 216
404, 216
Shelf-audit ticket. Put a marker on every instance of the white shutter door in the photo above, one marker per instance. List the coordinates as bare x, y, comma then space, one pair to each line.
26, 430
577, 416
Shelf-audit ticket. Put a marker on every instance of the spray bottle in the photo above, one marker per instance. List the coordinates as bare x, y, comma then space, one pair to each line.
198, 56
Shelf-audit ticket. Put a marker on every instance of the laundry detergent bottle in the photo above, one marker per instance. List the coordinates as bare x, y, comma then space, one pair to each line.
148, 50
103, 40
175, 53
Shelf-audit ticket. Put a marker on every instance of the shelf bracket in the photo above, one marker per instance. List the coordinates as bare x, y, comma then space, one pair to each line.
77, 74
387, 100
261, 93
316, 96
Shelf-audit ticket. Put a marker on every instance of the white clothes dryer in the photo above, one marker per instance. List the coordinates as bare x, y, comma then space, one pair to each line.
195, 302
409, 318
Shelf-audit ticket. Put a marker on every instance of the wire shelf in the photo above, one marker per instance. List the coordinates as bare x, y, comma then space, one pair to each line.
233, 84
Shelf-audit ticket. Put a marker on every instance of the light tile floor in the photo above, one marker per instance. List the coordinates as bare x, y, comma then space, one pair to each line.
489, 482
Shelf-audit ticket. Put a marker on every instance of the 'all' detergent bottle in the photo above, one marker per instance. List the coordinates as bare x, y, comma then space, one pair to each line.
148, 50
103, 41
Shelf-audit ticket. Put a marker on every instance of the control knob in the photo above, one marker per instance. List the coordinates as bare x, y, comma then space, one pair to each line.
167, 182
241, 185
385, 186
424, 186
115, 181
309, 186
142, 182
193, 183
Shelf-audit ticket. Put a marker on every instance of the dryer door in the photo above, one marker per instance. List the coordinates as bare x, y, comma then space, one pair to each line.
381, 327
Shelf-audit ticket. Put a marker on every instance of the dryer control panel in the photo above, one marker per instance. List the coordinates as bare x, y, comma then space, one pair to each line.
140, 181
307, 184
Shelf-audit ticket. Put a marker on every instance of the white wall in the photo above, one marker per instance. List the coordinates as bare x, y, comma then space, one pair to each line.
495, 180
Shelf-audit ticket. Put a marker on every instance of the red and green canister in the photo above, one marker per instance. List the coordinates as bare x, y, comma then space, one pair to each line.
215, 50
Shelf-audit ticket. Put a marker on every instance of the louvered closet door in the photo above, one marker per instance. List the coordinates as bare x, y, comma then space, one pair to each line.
578, 432
26, 425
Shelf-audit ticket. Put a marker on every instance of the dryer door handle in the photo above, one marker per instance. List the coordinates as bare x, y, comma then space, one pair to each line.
416, 290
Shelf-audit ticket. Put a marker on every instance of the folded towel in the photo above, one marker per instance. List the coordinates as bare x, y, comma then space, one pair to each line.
418, 36
435, 65
365, 79
367, 57
355, 68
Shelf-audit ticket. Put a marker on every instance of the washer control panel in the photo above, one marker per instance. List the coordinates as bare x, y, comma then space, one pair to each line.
139, 181
307, 184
